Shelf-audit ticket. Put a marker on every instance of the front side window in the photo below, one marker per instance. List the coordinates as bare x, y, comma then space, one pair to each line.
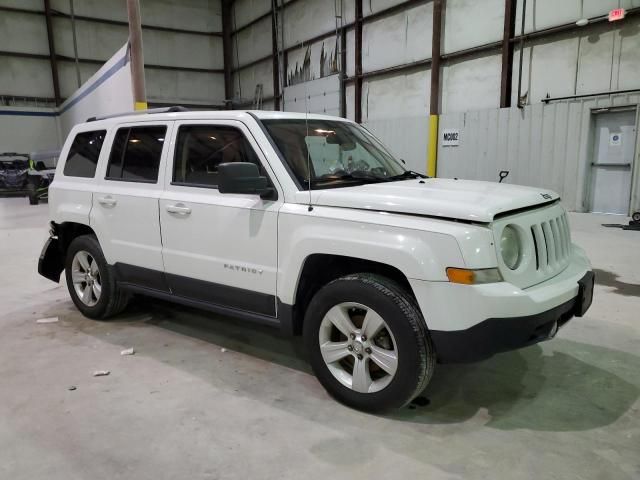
201, 148
83, 154
135, 154
329, 153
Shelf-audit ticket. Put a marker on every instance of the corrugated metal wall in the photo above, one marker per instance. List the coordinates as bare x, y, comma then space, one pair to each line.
322, 96
542, 145
406, 137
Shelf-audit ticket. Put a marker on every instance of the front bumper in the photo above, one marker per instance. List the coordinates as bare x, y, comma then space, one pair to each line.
470, 323
497, 335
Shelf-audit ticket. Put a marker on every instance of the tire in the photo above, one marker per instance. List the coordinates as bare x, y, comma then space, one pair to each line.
32, 194
111, 299
636, 216
404, 333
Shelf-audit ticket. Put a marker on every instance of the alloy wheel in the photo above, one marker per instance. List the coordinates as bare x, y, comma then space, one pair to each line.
85, 275
358, 347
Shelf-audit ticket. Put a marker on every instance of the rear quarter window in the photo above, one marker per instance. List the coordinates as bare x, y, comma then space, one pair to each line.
83, 154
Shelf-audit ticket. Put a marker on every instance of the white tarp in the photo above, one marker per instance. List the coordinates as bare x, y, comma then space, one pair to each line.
107, 91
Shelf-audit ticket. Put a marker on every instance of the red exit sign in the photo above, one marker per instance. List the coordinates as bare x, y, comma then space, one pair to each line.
616, 14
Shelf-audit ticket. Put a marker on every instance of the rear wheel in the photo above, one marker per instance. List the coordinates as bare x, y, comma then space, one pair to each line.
90, 282
368, 343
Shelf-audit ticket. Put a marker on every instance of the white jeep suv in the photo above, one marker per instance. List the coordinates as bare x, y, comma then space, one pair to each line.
308, 224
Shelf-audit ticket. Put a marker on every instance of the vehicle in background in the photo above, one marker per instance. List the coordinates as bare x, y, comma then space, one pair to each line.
14, 168
42, 167
30, 174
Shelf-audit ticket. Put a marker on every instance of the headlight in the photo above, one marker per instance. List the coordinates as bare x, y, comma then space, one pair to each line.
510, 247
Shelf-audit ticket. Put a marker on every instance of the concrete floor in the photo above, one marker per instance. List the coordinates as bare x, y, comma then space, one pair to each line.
182, 408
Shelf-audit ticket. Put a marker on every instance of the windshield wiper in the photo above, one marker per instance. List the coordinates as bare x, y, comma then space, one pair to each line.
359, 175
407, 174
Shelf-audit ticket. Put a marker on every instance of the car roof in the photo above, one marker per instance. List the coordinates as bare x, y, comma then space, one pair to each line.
157, 115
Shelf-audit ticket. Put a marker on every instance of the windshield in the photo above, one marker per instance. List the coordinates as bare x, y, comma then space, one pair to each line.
336, 153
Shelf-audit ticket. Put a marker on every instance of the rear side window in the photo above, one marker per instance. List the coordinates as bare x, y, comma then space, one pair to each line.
135, 154
201, 148
83, 154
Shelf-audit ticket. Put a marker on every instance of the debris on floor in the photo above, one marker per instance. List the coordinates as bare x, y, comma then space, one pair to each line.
223, 350
72, 388
633, 224
128, 351
101, 373
47, 320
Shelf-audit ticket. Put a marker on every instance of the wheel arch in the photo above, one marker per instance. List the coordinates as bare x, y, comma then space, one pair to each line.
68, 231
52, 258
319, 269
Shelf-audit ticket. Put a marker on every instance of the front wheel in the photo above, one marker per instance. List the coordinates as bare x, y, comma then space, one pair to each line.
368, 342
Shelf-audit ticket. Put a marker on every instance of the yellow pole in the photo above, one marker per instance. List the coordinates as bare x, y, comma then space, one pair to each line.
432, 147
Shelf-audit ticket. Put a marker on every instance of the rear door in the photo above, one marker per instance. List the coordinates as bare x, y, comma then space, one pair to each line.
125, 202
218, 248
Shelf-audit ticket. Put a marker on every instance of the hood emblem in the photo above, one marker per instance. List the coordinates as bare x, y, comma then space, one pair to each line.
546, 196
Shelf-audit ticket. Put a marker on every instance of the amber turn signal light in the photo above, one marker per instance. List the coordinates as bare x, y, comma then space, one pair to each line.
466, 276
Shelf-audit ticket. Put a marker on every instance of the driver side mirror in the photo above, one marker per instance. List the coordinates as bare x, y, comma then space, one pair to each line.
243, 177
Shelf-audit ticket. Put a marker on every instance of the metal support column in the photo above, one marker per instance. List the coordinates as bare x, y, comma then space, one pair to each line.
275, 55
434, 106
507, 53
522, 28
343, 72
52, 53
227, 53
75, 43
358, 62
137, 57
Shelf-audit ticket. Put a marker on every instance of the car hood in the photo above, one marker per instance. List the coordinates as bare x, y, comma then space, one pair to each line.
460, 199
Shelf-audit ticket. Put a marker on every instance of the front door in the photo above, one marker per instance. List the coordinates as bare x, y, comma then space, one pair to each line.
218, 248
612, 166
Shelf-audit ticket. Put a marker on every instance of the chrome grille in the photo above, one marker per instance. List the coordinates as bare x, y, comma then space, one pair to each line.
552, 242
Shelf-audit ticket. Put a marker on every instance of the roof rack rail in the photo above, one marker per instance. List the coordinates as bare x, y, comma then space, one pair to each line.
175, 108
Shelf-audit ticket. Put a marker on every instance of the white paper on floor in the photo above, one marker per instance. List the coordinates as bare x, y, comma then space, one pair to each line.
47, 320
